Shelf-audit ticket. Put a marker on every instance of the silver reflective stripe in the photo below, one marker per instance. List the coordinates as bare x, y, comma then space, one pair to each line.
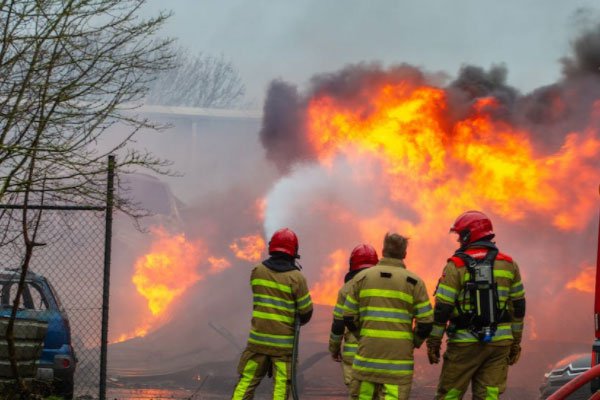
423, 310
336, 338
517, 326
272, 340
438, 330
350, 304
338, 311
445, 293
382, 365
350, 348
304, 302
266, 301
401, 315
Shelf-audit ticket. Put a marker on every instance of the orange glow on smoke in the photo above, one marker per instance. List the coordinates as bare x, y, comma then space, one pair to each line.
218, 264
249, 248
325, 291
479, 161
585, 281
167, 270
439, 168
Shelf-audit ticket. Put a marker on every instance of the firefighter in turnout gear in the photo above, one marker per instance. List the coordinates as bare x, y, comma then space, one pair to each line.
362, 257
480, 304
380, 308
279, 293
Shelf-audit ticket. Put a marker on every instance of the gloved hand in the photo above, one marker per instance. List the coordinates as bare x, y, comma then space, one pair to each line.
515, 353
433, 349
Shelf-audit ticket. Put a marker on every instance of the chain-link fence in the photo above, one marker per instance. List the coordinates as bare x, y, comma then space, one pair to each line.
70, 255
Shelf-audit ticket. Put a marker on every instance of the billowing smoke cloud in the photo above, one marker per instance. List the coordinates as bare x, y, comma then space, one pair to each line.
359, 177
335, 199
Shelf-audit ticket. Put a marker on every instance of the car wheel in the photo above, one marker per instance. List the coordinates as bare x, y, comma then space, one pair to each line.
64, 388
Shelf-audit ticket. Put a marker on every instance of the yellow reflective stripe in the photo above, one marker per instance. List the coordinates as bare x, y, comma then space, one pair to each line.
349, 349
350, 305
270, 335
390, 294
500, 273
366, 391
517, 326
383, 366
447, 288
280, 385
423, 304
272, 316
391, 391
423, 310
387, 319
245, 380
462, 336
305, 303
338, 310
260, 303
301, 299
517, 290
453, 394
386, 309
446, 293
285, 341
380, 333
335, 338
271, 284
279, 299
503, 292
492, 393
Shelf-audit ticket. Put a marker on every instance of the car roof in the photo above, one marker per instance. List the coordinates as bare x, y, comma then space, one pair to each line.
11, 274
579, 360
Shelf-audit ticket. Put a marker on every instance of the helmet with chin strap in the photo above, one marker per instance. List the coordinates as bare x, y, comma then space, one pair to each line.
472, 226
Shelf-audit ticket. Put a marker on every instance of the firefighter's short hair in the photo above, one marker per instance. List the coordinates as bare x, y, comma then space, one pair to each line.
394, 246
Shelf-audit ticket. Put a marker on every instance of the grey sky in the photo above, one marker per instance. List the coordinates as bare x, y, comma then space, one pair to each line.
293, 40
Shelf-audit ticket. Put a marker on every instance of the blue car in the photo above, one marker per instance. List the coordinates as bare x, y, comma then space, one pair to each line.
40, 302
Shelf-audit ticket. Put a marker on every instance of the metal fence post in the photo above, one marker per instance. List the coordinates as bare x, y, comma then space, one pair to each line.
106, 282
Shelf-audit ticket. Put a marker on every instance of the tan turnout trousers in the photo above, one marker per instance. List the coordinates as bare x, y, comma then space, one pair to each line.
485, 365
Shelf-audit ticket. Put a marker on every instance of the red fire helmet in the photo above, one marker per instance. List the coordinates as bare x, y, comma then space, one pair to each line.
472, 226
284, 241
363, 256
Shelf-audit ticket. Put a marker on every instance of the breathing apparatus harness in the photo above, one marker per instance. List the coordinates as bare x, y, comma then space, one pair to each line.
482, 319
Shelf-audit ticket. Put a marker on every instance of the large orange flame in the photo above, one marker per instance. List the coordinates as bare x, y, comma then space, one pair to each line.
249, 248
325, 291
585, 281
440, 168
167, 270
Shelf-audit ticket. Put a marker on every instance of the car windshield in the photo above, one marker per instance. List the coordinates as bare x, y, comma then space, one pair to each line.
32, 298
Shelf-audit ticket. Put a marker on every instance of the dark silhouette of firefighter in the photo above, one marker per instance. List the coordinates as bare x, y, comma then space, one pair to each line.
388, 310
480, 305
362, 257
280, 295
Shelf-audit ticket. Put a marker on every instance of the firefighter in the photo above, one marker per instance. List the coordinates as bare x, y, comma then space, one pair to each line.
363, 256
279, 293
481, 295
380, 308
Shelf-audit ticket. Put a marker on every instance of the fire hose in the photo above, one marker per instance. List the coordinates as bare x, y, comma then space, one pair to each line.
295, 358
